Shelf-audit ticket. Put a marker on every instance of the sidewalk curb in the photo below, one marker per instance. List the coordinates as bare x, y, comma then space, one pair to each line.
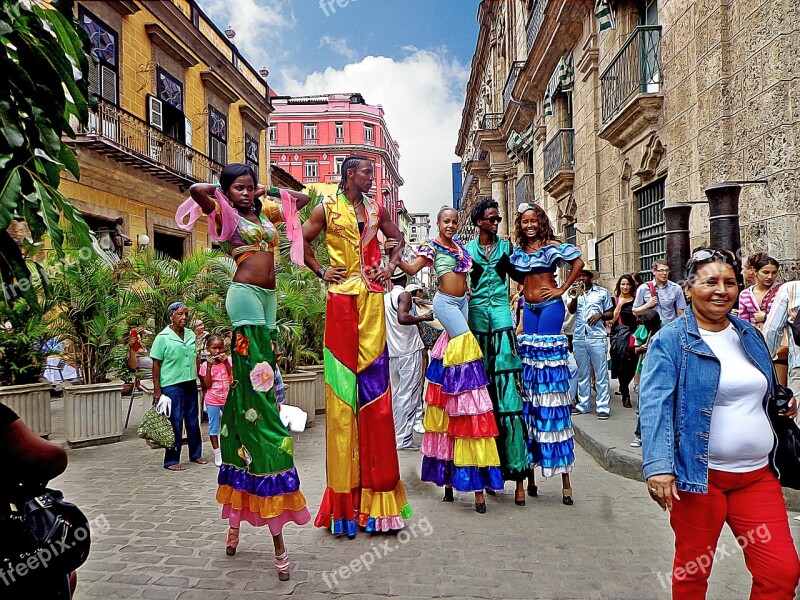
614, 461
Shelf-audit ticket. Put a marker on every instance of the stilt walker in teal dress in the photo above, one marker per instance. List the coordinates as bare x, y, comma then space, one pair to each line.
490, 321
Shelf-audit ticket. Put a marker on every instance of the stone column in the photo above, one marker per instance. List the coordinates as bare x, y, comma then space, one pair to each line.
499, 195
676, 217
723, 209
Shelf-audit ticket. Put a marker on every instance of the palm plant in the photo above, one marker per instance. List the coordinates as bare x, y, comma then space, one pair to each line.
301, 316
201, 280
90, 317
24, 339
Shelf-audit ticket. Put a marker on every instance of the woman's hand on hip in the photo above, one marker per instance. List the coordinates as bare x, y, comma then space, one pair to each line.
662, 489
548, 293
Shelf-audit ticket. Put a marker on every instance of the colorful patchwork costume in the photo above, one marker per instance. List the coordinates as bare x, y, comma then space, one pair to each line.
363, 474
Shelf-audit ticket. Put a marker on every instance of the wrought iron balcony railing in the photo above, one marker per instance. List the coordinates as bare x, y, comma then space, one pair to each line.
535, 22
491, 121
130, 140
636, 69
558, 153
525, 190
513, 74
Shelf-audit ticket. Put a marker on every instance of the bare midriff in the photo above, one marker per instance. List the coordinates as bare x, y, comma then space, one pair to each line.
257, 269
454, 284
534, 283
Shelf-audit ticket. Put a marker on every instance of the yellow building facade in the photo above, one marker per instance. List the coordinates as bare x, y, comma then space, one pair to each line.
176, 102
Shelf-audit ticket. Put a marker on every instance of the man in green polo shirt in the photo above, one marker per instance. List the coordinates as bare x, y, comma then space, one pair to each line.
174, 355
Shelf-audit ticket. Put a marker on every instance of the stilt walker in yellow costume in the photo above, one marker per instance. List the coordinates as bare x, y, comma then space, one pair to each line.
364, 487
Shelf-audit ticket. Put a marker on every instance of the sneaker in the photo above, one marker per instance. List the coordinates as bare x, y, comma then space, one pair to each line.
418, 427
411, 446
636, 443
217, 458
576, 411
603, 416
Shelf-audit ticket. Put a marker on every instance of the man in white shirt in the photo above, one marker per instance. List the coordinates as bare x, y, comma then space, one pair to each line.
405, 359
591, 310
661, 295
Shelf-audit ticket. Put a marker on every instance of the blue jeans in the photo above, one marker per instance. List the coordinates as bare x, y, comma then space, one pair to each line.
452, 313
184, 408
591, 354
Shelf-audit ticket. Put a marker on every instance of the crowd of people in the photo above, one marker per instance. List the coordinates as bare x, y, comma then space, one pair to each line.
496, 392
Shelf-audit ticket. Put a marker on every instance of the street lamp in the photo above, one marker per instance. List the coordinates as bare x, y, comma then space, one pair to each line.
143, 240
230, 33
264, 72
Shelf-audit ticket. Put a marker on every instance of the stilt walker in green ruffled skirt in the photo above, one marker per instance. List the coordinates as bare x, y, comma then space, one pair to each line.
490, 321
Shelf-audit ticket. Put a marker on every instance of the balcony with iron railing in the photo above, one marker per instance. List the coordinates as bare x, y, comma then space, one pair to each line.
130, 140
535, 21
631, 91
559, 163
511, 81
491, 121
525, 191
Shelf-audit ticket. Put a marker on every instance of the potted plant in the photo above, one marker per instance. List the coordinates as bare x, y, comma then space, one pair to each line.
91, 320
24, 343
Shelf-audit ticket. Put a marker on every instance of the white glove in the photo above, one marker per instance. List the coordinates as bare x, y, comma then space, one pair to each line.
293, 418
164, 405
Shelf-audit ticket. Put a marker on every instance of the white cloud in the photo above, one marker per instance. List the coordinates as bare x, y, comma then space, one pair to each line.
254, 21
339, 46
422, 96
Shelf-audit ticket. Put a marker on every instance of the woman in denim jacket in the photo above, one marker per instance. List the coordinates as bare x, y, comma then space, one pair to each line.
708, 445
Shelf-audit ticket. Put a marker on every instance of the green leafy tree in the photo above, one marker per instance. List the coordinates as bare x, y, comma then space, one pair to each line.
44, 62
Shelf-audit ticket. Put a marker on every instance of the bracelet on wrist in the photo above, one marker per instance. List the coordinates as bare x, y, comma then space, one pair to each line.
321, 272
274, 192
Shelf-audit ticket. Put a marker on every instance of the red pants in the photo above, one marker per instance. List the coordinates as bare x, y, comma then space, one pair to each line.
752, 505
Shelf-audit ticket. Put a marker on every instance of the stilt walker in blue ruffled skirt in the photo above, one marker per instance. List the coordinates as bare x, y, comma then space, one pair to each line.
542, 346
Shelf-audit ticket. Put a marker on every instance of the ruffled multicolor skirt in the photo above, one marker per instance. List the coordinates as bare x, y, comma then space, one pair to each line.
547, 408
258, 481
458, 447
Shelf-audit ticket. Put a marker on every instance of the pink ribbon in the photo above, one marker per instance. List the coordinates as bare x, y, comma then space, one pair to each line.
294, 229
188, 213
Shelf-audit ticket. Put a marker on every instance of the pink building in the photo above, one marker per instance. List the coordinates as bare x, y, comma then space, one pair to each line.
310, 136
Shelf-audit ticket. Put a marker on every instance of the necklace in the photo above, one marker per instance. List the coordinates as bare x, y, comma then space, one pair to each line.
533, 246
442, 243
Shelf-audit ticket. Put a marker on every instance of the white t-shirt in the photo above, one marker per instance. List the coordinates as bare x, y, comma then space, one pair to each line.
401, 339
741, 437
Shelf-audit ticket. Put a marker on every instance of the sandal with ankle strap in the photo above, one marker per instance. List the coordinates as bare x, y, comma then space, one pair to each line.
232, 541
282, 565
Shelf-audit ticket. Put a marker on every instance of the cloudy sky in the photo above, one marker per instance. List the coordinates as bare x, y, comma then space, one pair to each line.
411, 56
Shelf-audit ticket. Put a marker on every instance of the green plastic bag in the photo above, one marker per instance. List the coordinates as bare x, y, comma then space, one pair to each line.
156, 428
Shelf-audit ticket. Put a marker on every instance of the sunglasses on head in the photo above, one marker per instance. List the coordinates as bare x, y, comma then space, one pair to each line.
706, 255
494, 220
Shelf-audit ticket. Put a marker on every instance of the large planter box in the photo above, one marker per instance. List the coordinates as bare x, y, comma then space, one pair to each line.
32, 404
301, 391
93, 413
319, 395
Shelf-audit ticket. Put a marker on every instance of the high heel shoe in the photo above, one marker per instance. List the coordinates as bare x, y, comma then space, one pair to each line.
282, 566
533, 491
232, 541
448, 495
567, 497
480, 507
626, 402
519, 501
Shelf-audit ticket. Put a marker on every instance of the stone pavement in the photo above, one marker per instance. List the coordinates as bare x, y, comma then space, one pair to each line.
165, 540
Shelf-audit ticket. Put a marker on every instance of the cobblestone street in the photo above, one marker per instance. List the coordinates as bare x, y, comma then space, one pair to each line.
166, 540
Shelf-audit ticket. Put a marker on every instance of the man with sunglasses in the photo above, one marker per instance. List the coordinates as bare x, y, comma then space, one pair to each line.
490, 321
661, 295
